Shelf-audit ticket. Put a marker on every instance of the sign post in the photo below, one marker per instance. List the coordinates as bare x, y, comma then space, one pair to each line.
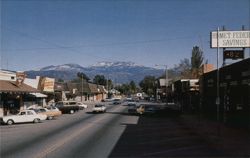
218, 84
228, 39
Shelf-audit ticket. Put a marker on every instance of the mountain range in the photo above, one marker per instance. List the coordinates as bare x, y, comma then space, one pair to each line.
118, 72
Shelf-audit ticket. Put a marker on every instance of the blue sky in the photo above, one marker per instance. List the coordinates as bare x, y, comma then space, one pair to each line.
36, 33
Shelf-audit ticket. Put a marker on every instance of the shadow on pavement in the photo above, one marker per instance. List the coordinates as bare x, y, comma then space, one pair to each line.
164, 135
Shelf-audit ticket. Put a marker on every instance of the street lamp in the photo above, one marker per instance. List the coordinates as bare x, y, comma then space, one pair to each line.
166, 81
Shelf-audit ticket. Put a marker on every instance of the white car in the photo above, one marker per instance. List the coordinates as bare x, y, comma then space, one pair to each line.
24, 116
99, 108
82, 106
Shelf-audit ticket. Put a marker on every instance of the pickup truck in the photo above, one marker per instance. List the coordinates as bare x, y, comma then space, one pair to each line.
67, 107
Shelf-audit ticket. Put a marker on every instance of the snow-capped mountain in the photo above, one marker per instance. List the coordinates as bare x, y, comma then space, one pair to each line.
114, 64
64, 67
119, 72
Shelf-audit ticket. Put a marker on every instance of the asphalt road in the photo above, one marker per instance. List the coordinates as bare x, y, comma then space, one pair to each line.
111, 134
82, 134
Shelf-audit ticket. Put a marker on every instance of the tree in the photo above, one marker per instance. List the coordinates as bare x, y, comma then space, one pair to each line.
60, 80
148, 85
110, 84
132, 87
182, 70
127, 88
100, 80
83, 76
196, 61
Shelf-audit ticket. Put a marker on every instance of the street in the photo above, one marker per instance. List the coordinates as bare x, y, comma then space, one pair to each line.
173, 75
79, 135
110, 134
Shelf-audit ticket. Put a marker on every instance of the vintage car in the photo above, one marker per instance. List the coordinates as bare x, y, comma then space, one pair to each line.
50, 113
117, 101
99, 108
24, 116
67, 106
132, 109
81, 105
146, 109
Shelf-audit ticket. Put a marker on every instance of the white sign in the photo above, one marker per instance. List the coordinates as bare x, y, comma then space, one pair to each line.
49, 84
231, 39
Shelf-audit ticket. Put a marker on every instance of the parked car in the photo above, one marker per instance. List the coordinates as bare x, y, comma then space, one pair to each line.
50, 113
108, 99
140, 109
117, 101
132, 109
53, 108
67, 106
24, 116
99, 108
131, 103
146, 109
150, 109
82, 106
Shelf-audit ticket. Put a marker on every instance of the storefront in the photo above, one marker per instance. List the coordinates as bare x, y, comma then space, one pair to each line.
13, 95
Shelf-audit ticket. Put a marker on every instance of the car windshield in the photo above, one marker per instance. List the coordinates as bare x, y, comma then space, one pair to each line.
59, 104
37, 110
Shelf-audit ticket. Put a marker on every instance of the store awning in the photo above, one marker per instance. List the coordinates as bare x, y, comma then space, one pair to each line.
39, 95
12, 87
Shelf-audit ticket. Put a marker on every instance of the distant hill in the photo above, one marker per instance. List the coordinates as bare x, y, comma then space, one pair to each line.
118, 72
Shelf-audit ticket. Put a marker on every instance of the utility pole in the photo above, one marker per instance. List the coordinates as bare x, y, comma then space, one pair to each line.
166, 80
218, 85
82, 88
166, 84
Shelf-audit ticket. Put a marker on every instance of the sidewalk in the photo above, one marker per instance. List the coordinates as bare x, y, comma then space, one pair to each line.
231, 141
183, 136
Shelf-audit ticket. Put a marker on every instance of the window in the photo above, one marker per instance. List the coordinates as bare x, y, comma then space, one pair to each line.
42, 110
29, 113
72, 103
59, 104
22, 113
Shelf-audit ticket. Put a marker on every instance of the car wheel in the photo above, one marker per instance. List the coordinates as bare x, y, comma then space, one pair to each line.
50, 117
71, 111
10, 122
36, 120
